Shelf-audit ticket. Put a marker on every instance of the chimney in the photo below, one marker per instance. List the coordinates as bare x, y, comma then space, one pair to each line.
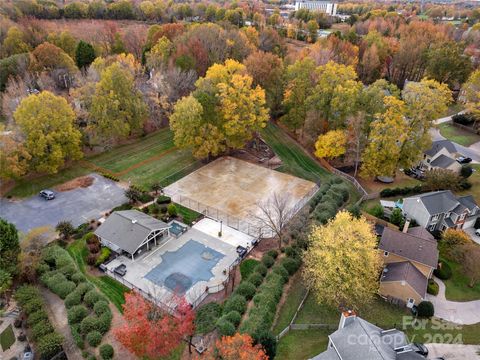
347, 318
407, 224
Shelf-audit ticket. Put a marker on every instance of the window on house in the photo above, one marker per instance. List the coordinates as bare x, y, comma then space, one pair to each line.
432, 227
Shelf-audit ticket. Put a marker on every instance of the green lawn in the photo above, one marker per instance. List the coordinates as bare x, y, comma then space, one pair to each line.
112, 289
7, 338
147, 160
295, 161
457, 287
188, 215
455, 134
474, 179
291, 304
302, 344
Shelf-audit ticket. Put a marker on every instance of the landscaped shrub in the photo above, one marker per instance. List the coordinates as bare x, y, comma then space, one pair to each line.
206, 317
246, 289
162, 199
94, 338
104, 322
50, 345
64, 288
75, 330
225, 327
280, 270
83, 288
292, 252
389, 192
106, 352
36, 317
92, 297
256, 279
444, 271
247, 267
234, 317
273, 253
376, 211
92, 259
41, 329
72, 299
432, 287
330, 208
33, 305
290, 264
268, 261
261, 269
464, 119
68, 270
76, 314
426, 309
78, 278
172, 210
88, 324
101, 307
126, 206
235, 303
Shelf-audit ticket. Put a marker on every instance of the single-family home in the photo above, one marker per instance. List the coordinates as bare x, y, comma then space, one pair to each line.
131, 232
442, 155
358, 339
409, 259
440, 210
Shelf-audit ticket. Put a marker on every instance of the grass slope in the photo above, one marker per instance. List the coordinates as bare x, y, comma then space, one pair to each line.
112, 289
455, 134
457, 287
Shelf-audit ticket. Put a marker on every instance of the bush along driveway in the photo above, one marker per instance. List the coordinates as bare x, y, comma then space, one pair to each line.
466, 313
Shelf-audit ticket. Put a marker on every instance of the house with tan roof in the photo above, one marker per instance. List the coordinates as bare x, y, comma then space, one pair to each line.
409, 258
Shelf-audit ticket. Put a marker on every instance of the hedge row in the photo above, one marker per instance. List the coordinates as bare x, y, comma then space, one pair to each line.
49, 342
88, 311
111, 177
330, 197
407, 190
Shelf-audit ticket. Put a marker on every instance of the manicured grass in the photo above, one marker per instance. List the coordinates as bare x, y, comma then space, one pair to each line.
111, 288
29, 187
286, 312
296, 161
302, 344
7, 338
143, 162
455, 134
474, 179
457, 287
188, 215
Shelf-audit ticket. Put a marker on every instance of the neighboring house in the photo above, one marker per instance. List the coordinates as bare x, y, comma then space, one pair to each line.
312, 5
131, 232
409, 260
357, 339
440, 210
442, 155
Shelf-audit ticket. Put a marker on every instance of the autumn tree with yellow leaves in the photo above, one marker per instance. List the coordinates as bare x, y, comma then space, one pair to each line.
342, 264
331, 144
223, 112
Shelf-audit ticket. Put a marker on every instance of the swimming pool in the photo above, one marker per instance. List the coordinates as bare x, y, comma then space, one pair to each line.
183, 268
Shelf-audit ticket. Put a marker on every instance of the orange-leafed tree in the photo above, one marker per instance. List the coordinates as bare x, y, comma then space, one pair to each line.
236, 347
150, 332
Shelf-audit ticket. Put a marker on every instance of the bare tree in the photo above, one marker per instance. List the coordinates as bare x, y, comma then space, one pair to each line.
274, 214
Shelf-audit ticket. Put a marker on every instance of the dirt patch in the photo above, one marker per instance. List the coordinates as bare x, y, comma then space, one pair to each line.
80, 182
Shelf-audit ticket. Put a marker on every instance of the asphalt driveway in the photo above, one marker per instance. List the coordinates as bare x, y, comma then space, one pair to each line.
78, 205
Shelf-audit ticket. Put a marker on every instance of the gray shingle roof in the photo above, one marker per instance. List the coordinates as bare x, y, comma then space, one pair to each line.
438, 202
439, 145
442, 161
409, 247
405, 271
128, 229
420, 232
468, 201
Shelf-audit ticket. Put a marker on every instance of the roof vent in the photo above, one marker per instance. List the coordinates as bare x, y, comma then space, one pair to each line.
134, 221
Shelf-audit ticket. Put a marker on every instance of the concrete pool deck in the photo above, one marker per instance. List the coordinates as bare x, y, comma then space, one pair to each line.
143, 264
229, 235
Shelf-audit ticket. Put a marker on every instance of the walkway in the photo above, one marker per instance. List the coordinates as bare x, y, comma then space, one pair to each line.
465, 313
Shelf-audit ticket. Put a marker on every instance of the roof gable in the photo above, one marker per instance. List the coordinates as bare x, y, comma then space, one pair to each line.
405, 271
411, 247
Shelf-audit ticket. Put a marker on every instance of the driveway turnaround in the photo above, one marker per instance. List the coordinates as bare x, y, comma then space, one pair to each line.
464, 313
78, 206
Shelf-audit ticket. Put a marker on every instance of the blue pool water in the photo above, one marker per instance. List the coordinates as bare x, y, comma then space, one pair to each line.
183, 268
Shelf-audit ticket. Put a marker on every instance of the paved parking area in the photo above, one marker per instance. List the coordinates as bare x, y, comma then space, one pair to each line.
471, 233
453, 351
78, 205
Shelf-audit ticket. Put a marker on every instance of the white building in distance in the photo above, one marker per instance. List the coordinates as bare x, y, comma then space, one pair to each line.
322, 6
